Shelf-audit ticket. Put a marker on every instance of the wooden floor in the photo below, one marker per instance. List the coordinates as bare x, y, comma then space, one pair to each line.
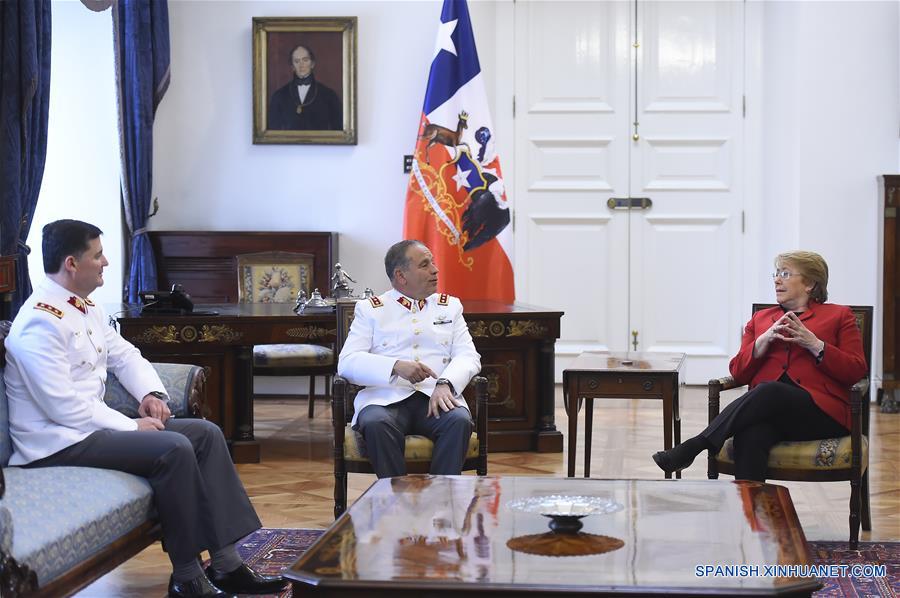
292, 486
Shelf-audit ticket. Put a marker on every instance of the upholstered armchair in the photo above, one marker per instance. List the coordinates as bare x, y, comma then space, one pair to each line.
277, 277
348, 457
828, 460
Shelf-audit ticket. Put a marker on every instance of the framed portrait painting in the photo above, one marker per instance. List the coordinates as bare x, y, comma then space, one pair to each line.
304, 80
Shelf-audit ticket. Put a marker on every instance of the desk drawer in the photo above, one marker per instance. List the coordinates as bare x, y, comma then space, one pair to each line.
620, 384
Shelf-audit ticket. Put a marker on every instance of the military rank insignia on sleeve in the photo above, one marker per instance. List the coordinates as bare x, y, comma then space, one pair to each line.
444, 299
49, 309
375, 301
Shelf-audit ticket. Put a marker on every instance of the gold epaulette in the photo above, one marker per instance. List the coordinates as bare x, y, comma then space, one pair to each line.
444, 299
49, 309
375, 301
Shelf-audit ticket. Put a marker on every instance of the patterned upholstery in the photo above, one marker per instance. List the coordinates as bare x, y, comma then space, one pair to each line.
54, 518
291, 356
6, 530
830, 453
64, 515
176, 378
418, 448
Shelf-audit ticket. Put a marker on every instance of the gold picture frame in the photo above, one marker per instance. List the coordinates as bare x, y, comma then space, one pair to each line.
321, 111
273, 276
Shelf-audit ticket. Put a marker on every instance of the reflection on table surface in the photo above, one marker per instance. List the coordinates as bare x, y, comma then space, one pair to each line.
456, 528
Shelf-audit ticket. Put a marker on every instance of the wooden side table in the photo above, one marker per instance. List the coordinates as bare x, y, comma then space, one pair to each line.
620, 376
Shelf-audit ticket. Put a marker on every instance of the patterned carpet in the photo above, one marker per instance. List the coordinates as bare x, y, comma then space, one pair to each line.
269, 550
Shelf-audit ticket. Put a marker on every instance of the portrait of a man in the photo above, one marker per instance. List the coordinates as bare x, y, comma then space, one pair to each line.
305, 104
304, 80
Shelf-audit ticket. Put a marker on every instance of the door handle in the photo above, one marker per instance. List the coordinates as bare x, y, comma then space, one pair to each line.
628, 203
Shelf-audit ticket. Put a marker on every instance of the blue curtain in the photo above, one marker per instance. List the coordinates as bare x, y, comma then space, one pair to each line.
24, 105
141, 30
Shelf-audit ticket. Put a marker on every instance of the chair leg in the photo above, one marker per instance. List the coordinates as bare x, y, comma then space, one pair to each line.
311, 406
866, 514
340, 493
854, 513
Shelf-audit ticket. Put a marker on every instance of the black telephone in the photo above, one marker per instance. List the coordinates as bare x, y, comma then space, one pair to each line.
174, 302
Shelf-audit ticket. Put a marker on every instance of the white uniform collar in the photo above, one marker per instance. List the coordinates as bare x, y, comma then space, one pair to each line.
56, 290
407, 302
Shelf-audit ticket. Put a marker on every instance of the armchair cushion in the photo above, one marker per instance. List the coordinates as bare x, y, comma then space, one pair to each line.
418, 448
291, 356
65, 515
826, 454
177, 379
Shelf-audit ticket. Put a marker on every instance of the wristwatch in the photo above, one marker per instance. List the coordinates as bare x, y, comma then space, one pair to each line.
444, 381
159, 395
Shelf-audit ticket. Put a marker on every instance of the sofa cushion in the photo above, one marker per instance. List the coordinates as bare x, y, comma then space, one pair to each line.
64, 515
5, 438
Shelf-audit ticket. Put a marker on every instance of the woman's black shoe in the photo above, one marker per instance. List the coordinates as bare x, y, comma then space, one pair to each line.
669, 460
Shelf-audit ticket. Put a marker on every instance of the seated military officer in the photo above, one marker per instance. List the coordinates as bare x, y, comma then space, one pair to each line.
59, 351
410, 347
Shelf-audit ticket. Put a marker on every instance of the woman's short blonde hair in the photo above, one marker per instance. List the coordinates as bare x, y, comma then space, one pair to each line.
812, 267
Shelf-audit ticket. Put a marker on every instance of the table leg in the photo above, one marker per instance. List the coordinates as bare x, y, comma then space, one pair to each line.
244, 448
667, 399
588, 432
676, 415
570, 399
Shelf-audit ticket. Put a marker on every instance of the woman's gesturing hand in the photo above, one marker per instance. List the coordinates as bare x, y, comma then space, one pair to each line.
792, 330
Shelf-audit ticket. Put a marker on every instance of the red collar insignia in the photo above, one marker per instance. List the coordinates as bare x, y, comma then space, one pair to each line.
404, 302
79, 303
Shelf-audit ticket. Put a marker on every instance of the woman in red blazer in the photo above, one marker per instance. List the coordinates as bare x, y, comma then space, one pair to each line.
800, 359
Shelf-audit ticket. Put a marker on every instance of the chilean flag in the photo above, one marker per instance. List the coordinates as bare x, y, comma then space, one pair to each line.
456, 202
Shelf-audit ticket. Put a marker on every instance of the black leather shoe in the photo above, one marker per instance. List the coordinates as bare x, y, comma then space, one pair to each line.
199, 587
245, 580
668, 462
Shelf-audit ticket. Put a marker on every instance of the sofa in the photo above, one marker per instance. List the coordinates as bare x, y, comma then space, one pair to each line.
61, 528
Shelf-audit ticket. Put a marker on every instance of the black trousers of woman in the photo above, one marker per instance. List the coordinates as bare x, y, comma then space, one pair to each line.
769, 413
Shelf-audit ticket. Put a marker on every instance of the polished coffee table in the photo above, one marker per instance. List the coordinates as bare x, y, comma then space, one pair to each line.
473, 536
633, 375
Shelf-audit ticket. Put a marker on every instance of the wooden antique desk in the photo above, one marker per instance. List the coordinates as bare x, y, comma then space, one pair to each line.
516, 343
620, 376
459, 536
224, 344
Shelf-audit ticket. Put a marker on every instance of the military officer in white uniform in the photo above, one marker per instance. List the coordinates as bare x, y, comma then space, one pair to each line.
59, 350
411, 349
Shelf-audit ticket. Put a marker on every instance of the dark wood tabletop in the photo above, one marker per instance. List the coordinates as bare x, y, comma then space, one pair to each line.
442, 535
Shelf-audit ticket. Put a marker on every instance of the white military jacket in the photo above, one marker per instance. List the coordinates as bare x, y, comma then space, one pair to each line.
57, 355
392, 327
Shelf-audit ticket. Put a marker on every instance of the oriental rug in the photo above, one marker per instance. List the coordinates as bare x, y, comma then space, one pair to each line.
270, 550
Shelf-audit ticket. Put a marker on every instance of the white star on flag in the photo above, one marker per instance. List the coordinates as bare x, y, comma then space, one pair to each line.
443, 38
461, 178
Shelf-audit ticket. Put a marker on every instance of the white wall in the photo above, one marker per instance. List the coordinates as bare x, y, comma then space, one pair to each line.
209, 175
81, 175
832, 116
831, 119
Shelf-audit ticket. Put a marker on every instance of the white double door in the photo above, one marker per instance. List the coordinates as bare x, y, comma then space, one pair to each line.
617, 101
